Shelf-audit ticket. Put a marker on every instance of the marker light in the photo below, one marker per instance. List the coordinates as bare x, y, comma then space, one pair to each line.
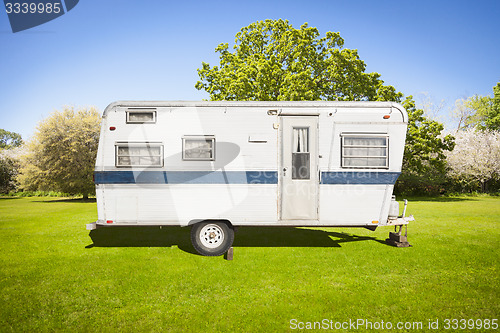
375, 222
109, 221
387, 116
112, 128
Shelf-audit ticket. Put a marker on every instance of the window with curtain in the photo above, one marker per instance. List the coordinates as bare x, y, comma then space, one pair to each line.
364, 151
198, 148
301, 166
137, 154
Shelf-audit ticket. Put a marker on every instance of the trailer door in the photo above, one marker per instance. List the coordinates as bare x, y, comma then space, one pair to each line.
299, 168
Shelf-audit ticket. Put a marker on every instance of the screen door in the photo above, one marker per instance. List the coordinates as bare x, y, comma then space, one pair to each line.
299, 168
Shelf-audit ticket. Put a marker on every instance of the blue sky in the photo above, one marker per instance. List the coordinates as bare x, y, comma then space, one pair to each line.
102, 51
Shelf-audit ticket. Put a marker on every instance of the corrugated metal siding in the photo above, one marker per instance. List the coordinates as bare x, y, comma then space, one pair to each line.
232, 123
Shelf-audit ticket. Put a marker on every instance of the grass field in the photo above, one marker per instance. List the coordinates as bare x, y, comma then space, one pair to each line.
55, 277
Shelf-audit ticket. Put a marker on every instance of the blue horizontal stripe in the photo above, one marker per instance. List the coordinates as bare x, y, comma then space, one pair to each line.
237, 177
360, 177
186, 177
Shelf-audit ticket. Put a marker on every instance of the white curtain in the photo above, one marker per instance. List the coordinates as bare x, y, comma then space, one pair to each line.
365, 151
300, 140
364, 141
201, 149
139, 156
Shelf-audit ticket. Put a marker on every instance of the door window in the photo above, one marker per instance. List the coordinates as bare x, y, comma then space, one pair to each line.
301, 159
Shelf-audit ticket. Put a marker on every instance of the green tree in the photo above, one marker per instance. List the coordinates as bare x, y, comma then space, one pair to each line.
8, 171
9, 163
9, 139
274, 61
424, 163
61, 154
480, 112
493, 119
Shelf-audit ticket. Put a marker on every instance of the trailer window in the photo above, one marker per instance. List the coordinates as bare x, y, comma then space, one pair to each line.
198, 148
300, 153
364, 151
133, 154
141, 117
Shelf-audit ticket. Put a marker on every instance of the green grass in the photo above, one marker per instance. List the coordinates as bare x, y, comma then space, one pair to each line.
55, 277
38, 194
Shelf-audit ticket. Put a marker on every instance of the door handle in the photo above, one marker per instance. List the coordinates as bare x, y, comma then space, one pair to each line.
284, 172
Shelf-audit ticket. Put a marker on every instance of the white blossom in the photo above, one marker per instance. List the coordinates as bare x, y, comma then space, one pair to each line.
476, 154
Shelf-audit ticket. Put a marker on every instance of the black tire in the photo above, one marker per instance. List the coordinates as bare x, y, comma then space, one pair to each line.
212, 238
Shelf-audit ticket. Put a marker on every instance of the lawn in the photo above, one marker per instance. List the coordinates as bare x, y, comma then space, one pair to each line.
54, 276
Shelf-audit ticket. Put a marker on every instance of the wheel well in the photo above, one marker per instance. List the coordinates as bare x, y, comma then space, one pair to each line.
195, 221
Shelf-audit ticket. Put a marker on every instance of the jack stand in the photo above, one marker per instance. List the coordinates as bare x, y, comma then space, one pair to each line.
398, 240
229, 254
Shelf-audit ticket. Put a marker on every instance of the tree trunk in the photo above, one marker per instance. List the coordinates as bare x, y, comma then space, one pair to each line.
85, 196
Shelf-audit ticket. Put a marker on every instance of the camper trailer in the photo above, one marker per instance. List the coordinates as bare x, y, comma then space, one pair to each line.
215, 166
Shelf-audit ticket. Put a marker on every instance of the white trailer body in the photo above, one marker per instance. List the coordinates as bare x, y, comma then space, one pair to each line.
249, 163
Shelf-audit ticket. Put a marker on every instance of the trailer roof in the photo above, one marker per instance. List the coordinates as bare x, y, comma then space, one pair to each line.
260, 104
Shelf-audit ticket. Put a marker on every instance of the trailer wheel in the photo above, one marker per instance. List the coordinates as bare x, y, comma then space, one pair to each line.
212, 238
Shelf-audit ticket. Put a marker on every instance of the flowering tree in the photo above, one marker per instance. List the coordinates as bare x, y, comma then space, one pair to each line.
476, 155
61, 154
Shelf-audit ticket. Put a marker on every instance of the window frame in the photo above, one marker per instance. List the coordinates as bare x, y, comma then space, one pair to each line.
129, 111
123, 144
369, 136
198, 138
296, 175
